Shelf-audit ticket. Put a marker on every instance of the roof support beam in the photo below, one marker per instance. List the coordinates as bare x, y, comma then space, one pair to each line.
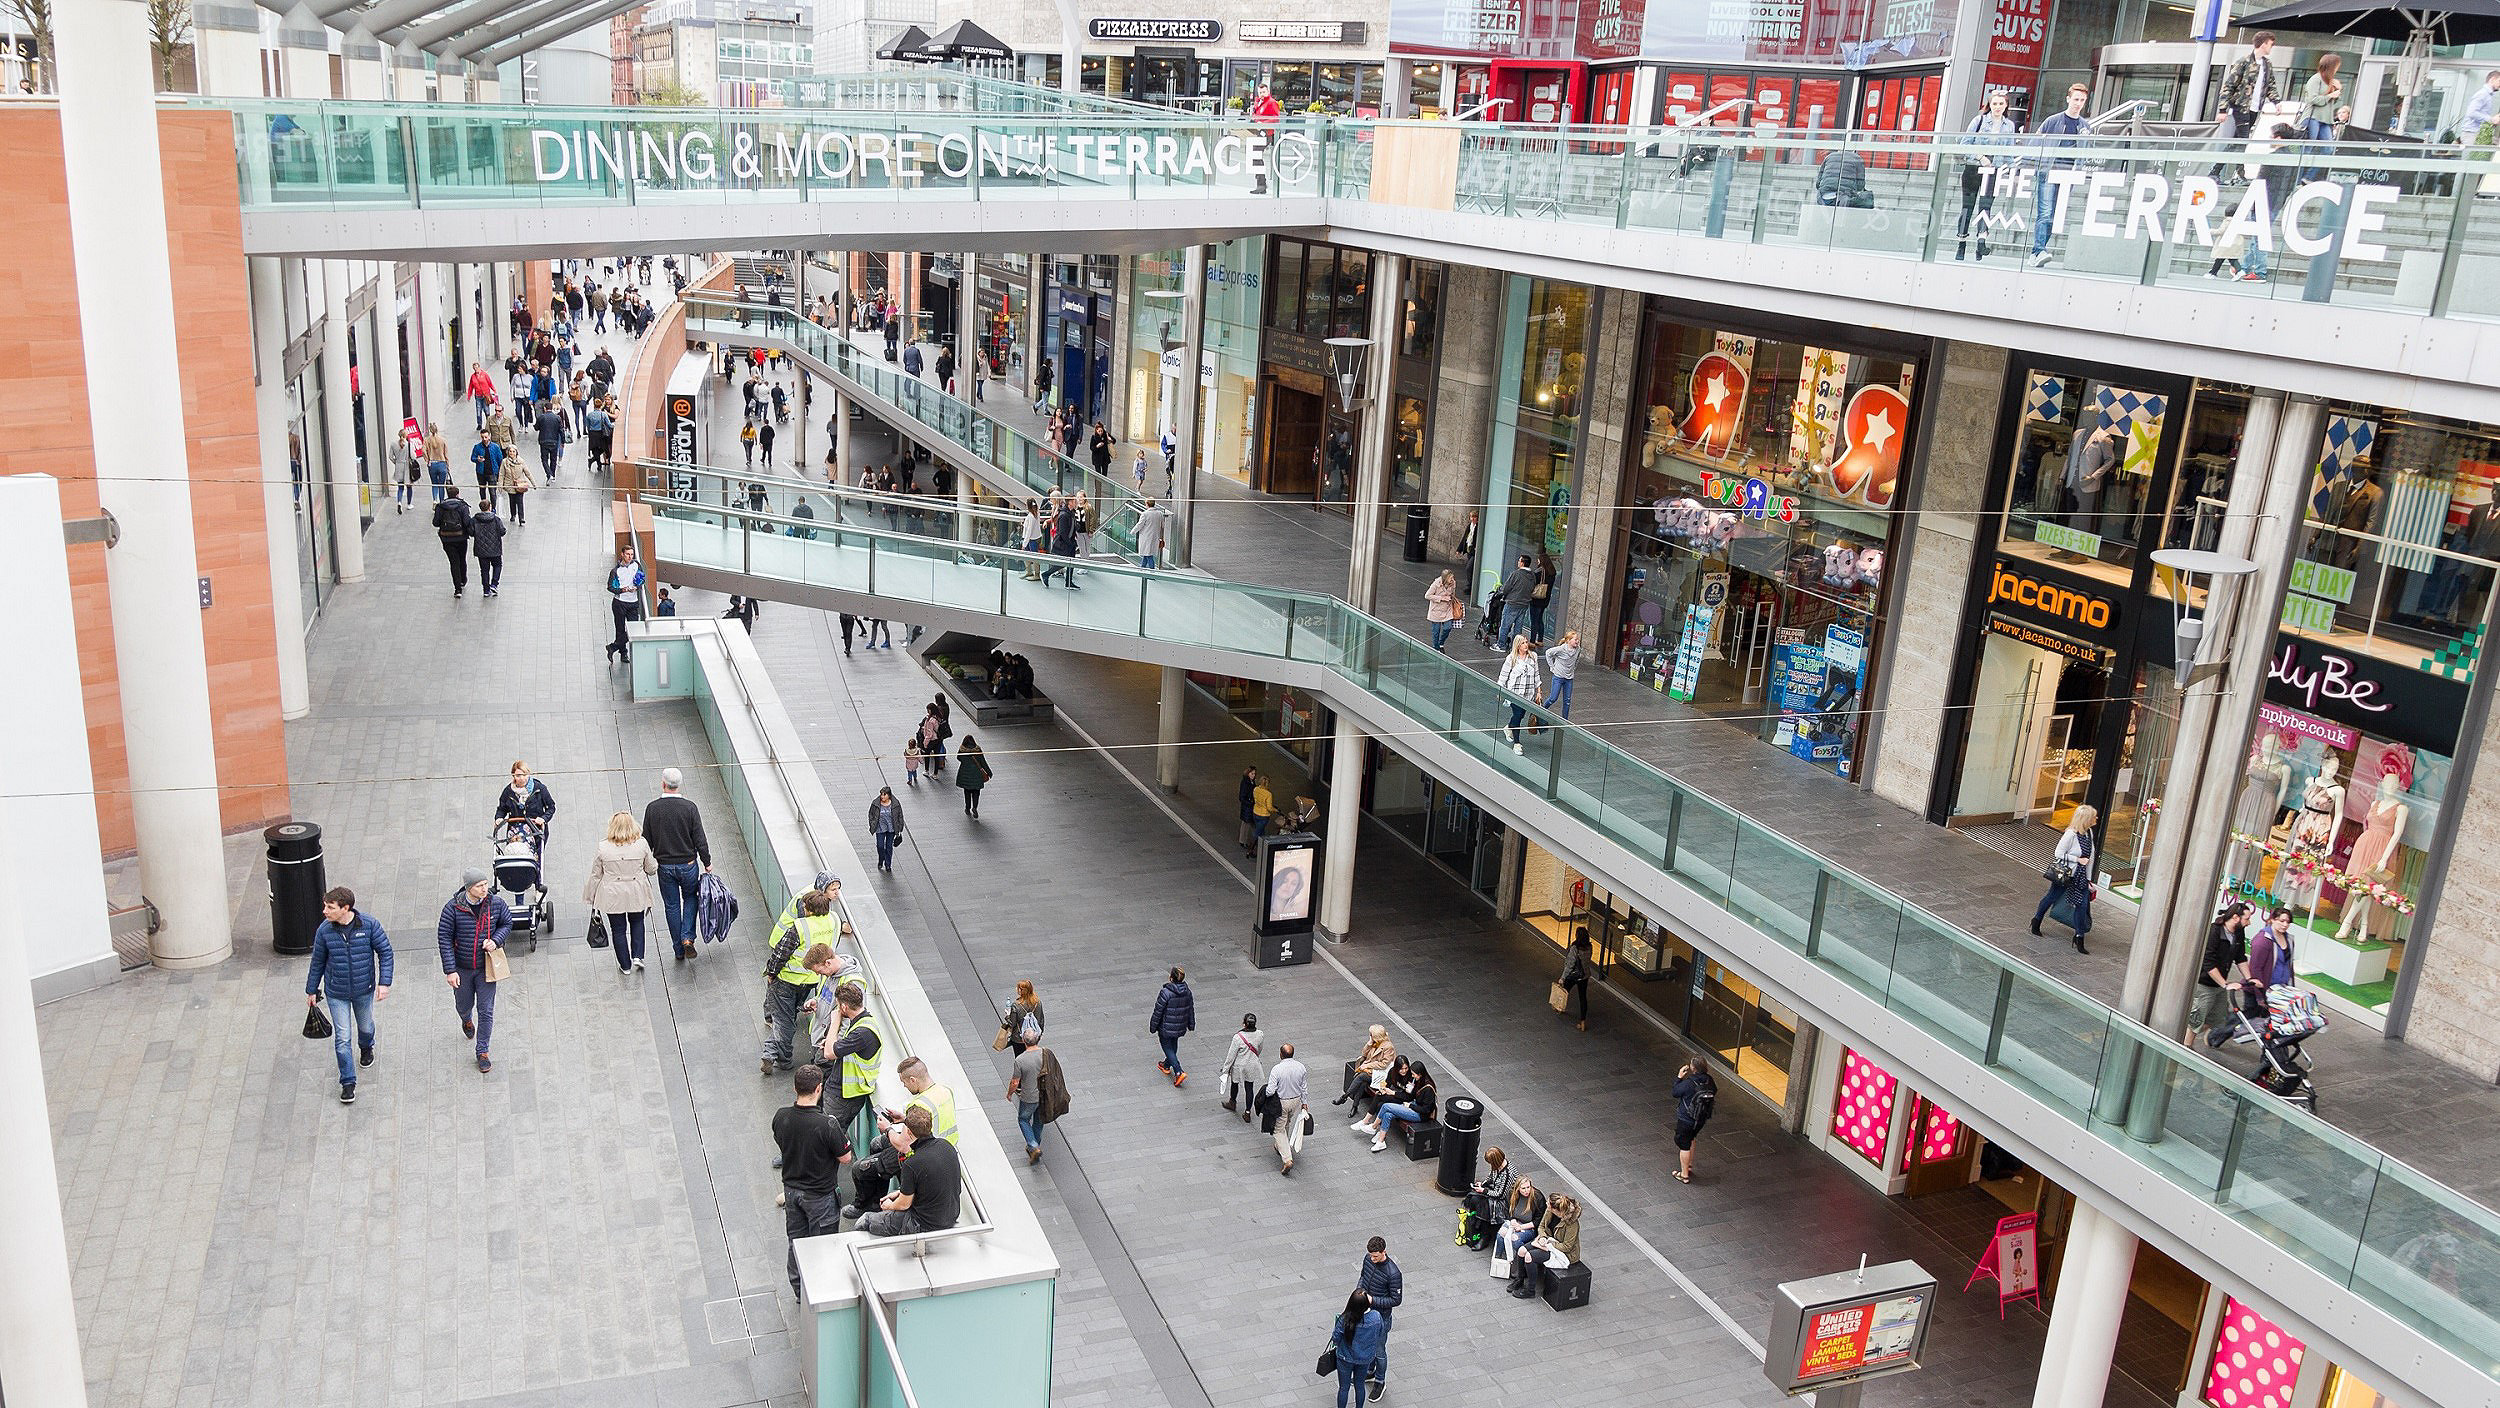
552, 31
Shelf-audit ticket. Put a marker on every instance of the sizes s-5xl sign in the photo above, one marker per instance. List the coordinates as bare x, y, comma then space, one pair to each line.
1183, 31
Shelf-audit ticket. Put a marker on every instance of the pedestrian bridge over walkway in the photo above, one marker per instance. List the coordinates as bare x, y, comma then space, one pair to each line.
2389, 1268
2384, 268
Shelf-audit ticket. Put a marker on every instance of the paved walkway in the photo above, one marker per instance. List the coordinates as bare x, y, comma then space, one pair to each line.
2400, 1100
1080, 880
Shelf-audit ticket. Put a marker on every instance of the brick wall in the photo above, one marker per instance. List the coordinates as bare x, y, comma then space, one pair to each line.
44, 385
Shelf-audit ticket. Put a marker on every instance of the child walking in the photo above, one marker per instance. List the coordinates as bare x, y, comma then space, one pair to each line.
911, 762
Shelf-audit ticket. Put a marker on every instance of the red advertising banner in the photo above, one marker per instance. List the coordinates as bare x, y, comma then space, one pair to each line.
2021, 36
2012, 1261
1611, 29
1848, 1341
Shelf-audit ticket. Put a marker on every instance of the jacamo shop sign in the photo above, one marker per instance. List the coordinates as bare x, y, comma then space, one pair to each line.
2046, 601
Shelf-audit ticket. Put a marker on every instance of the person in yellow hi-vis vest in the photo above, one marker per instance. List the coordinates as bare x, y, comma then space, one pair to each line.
873, 1177
852, 1054
789, 982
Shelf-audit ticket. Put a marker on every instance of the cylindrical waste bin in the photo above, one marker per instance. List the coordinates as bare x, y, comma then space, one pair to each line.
1418, 531
1462, 1128
296, 883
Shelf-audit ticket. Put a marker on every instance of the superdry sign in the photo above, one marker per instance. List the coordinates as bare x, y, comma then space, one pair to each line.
1156, 31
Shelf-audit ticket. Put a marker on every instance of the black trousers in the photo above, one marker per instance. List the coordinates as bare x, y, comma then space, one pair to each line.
457, 551
624, 612
873, 1177
808, 1215
490, 572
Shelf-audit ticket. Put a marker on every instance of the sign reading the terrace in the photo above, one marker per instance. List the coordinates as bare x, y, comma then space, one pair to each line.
1176, 31
676, 156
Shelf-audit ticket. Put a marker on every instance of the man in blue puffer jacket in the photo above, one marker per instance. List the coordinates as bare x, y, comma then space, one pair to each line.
474, 922
1175, 1016
352, 961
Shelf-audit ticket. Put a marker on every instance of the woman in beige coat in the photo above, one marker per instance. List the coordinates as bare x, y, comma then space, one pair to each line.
1379, 1053
620, 888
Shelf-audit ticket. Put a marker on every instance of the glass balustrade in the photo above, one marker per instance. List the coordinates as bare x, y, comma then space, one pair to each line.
2425, 1253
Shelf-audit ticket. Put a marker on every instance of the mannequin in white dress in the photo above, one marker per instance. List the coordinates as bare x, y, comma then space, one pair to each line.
2374, 852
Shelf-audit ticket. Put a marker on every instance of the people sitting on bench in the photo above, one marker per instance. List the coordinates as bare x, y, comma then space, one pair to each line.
1410, 1097
1367, 1101
1557, 1244
1521, 1212
1486, 1197
1379, 1053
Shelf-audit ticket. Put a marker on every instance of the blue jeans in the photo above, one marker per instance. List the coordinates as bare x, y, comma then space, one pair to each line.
1441, 633
1146, 560
1518, 714
1514, 624
1029, 1120
1350, 1380
1171, 1052
677, 884
1389, 1115
344, 1012
439, 473
2043, 208
474, 994
1559, 692
885, 849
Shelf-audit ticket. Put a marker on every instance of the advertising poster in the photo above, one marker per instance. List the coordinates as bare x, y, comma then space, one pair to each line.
1847, 1341
1686, 676
1291, 884
2012, 1260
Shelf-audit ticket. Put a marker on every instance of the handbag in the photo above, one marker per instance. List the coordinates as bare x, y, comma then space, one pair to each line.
316, 1025
2060, 873
598, 930
1328, 1361
1559, 998
494, 967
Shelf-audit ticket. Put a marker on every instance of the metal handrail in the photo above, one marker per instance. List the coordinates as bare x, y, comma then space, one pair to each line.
873, 1310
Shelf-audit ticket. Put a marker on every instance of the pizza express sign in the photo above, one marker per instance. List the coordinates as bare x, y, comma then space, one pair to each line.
1157, 31
672, 155
2383, 700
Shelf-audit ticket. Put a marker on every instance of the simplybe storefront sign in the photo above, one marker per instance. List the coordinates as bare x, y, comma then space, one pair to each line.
682, 155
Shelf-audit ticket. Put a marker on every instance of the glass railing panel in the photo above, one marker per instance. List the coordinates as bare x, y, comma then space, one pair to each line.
1579, 778
1774, 885
1184, 609
1858, 932
1407, 673
973, 578
836, 558
2051, 1044
2304, 1188
1705, 846
2169, 1108
2432, 1262
1945, 980
1636, 805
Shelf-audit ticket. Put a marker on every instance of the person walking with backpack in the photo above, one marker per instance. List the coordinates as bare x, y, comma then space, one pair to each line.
1696, 1099
1175, 1016
1020, 1026
352, 966
451, 525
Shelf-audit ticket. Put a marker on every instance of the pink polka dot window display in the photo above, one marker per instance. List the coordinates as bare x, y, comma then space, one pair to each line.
2255, 1363
1938, 1131
1862, 1112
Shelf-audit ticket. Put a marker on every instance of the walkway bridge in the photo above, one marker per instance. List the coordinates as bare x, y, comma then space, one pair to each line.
2384, 282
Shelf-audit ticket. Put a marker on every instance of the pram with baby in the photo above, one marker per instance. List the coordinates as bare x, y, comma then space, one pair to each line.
520, 852
2277, 1020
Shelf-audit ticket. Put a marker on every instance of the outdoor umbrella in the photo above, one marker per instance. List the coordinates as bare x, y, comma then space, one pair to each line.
2419, 25
905, 47
965, 40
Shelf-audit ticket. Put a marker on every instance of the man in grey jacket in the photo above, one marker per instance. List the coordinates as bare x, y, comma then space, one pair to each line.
1290, 1082
1518, 589
1153, 522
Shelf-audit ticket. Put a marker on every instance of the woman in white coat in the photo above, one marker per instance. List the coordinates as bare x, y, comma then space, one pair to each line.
620, 888
1244, 1069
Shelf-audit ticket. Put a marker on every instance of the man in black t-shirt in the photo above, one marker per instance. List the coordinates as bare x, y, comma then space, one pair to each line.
930, 1195
813, 1150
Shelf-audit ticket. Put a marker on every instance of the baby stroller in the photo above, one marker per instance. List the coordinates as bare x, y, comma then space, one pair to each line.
519, 850
2278, 1020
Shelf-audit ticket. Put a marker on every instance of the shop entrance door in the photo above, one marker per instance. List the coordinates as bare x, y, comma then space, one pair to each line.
1540, 95
1168, 77
1295, 420
2032, 754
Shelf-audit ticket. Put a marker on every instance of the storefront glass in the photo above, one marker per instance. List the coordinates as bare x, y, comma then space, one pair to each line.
1536, 427
1155, 329
1759, 515
2083, 473
1006, 312
1318, 291
1234, 276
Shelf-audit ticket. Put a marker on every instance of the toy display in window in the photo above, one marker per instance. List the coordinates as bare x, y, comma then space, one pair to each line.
2262, 791
2374, 859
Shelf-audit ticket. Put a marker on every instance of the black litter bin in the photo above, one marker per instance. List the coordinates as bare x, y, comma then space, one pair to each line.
1462, 1128
296, 883
1418, 531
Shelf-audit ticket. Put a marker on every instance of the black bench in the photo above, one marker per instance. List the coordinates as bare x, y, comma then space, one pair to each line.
1422, 1141
1567, 1289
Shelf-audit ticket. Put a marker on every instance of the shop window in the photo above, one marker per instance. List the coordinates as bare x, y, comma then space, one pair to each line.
2083, 471
1753, 1033
1319, 290
1406, 452
1862, 1107
2255, 1364
1934, 1133
1284, 305
1536, 428
1292, 85
1351, 301
2345, 1389
1334, 88
1424, 91
1420, 334
1759, 517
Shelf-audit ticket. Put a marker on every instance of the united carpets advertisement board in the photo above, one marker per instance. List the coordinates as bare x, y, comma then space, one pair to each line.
1849, 1327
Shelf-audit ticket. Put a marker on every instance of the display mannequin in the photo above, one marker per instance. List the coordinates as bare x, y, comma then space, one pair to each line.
2268, 782
2374, 852
2321, 816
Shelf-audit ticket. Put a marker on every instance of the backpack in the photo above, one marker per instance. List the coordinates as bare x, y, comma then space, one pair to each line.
449, 520
1472, 1232
1030, 1033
